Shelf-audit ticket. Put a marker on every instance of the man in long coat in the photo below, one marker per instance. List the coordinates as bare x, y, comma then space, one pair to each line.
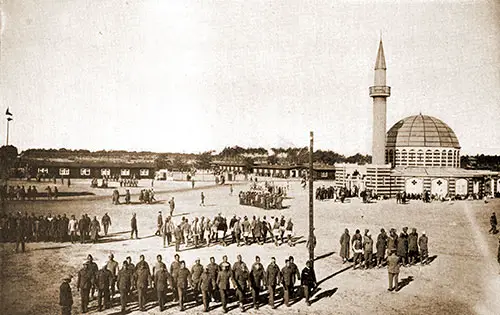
402, 247
124, 281
161, 280
223, 278
345, 244
424, 249
257, 275
84, 284
103, 279
65, 296
381, 247
143, 279
272, 280
413, 246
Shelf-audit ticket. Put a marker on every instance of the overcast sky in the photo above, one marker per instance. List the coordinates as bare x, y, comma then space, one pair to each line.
190, 76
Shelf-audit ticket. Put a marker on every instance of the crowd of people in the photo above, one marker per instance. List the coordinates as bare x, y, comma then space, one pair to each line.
265, 196
335, 193
206, 232
202, 284
22, 228
31, 193
409, 247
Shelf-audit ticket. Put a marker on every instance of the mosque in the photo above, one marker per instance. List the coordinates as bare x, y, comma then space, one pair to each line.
418, 154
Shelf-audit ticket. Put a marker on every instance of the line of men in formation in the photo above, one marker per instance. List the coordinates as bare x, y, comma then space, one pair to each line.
217, 231
21, 193
21, 228
202, 284
409, 247
331, 192
265, 195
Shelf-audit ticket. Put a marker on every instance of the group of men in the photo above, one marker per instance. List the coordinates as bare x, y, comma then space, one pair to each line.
409, 247
115, 198
323, 193
18, 193
147, 196
201, 284
261, 199
199, 232
21, 228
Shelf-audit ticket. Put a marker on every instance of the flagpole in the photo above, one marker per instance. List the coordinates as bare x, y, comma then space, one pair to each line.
7, 141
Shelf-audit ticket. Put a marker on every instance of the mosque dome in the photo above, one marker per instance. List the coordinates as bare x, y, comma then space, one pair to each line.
421, 131
422, 140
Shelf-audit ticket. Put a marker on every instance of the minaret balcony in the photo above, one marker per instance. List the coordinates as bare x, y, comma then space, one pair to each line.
380, 91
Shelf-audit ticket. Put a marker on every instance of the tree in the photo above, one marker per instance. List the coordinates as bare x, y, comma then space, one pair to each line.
204, 160
8, 159
249, 163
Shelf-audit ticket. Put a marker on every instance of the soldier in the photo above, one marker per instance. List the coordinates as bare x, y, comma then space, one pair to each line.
196, 231
95, 228
104, 279
295, 274
143, 280
159, 264
196, 272
345, 240
94, 269
381, 247
72, 227
257, 275
65, 296
413, 246
368, 250
223, 278
237, 265
161, 280
127, 196
213, 270
82, 227
20, 232
308, 281
174, 271
124, 284
241, 281
178, 238
168, 229
183, 283
106, 223
171, 204
159, 224
393, 270
392, 240
272, 279
205, 286
133, 225
112, 266
202, 196
84, 284
422, 243
357, 248
493, 223
402, 247
224, 264
287, 281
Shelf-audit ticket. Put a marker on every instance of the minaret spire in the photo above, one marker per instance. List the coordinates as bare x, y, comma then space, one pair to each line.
380, 63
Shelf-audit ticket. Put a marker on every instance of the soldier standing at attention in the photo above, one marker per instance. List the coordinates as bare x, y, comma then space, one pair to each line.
112, 266
65, 296
223, 278
104, 278
393, 270
196, 272
133, 225
161, 279
127, 196
308, 281
256, 279
183, 283
272, 279
205, 287
413, 246
124, 284
368, 250
174, 271
84, 284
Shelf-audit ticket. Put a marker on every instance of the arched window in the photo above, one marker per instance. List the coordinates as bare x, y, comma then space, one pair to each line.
428, 158
404, 157
420, 157
411, 157
437, 158
398, 157
443, 158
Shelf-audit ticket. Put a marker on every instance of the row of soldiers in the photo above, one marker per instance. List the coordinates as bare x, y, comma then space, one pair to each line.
21, 228
409, 247
217, 231
261, 199
202, 284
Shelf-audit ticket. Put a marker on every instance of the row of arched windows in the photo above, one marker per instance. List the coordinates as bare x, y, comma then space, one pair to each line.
427, 158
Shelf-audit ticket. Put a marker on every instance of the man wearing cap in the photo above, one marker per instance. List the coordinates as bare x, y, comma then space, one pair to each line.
223, 278
65, 296
413, 246
205, 287
241, 281
402, 247
167, 230
393, 270
295, 275
287, 275
308, 281
183, 283
424, 250
272, 279
104, 278
159, 224
84, 284
133, 226
94, 269
196, 231
161, 280
112, 265
368, 250
213, 270
174, 271
256, 279
143, 280
124, 281
196, 272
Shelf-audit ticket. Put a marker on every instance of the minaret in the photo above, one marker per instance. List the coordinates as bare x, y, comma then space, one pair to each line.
380, 92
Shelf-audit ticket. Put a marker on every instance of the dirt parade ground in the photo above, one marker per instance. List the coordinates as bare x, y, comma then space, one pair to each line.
462, 278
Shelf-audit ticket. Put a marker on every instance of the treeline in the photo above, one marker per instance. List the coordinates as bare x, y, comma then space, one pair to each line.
481, 162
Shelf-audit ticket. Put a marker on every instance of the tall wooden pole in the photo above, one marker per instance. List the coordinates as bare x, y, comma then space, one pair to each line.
311, 199
7, 140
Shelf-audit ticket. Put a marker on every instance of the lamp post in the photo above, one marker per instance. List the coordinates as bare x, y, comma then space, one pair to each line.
311, 200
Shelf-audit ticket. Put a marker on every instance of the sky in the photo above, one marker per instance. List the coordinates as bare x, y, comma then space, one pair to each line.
191, 76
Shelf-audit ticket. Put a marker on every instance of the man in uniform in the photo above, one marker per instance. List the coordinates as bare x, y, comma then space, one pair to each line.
159, 224
20, 232
213, 270
205, 287
161, 279
174, 271
308, 281
133, 225
402, 247
424, 249
413, 246
159, 264
196, 272
84, 284
104, 279
241, 281
65, 296
124, 281
368, 250
493, 223
143, 279
106, 223
345, 241
127, 196
94, 269
223, 278
393, 270
295, 275
183, 283
272, 279
112, 266
256, 278
171, 203
287, 274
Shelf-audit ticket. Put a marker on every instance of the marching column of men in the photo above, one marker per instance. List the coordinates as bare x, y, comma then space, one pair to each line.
213, 282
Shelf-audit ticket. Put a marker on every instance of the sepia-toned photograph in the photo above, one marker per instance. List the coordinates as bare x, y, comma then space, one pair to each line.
260, 156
